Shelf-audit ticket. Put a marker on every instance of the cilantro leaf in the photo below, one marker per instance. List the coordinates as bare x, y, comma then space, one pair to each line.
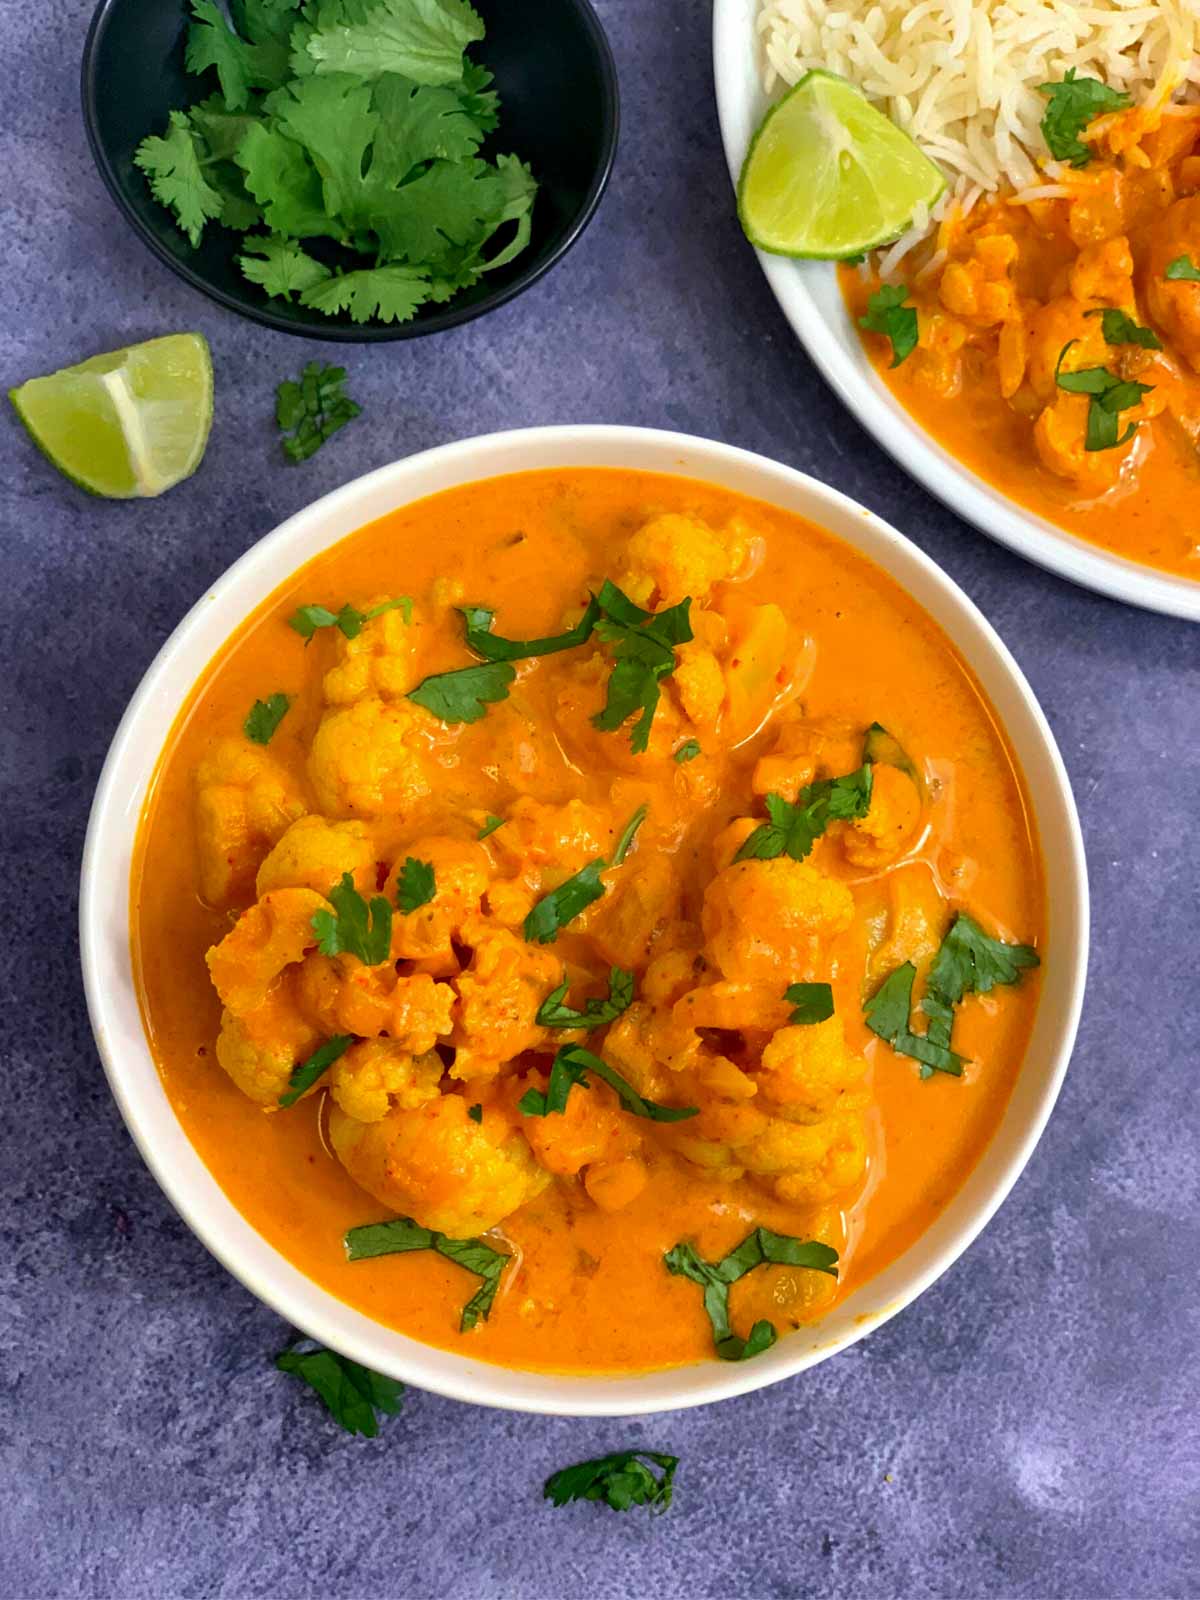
332, 118
688, 751
565, 1072
1109, 396
349, 620
351, 1394
628, 834
1182, 270
887, 1014
285, 183
597, 1013
971, 961
353, 927
416, 885
239, 65
620, 1480
480, 638
419, 123
389, 293
554, 910
883, 748
402, 1234
1120, 328
1073, 103
281, 268
264, 717
172, 168
643, 649
475, 1112
422, 39
306, 1074
795, 826
314, 409
481, 103
813, 1002
452, 205
490, 826
571, 1066
759, 1247
887, 314
262, 21
463, 695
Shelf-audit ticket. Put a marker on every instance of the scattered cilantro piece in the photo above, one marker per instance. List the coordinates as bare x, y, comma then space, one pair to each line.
794, 827
1120, 328
475, 1112
282, 269
554, 910
307, 619
353, 926
306, 1074
1108, 397
1182, 269
887, 1014
571, 1066
422, 41
883, 748
813, 1002
462, 695
1073, 103
315, 408
887, 314
264, 717
597, 1013
172, 168
416, 884
688, 751
351, 1394
643, 649
402, 1234
490, 826
628, 834
971, 961
714, 1277
620, 1480
480, 638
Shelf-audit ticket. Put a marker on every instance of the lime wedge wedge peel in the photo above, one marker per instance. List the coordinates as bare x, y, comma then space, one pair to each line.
127, 424
829, 176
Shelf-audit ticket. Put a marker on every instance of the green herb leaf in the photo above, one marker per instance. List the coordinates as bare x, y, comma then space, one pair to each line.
402, 1234
971, 961
416, 884
887, 314
1182, 269
1119, 328
596, 1013
286, 184
1109, 396
463, 695
351, 1394
315, 408
628, 834
562, 905
239, 65
620, 1480
475, 1113
715, 1277
172, 168
688, 751
643, 649
480, 638
1074, 102
490, 826
422, 40
352, 926
264, 717
571, 1066
813, 1002
565, 1072
349, 620
419, 123
887, 1014
387, 294
281, 268
881, 748
306, 1074
794, 827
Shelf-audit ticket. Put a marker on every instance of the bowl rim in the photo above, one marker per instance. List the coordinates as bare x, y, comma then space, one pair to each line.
107, 968
740, 102
441, 321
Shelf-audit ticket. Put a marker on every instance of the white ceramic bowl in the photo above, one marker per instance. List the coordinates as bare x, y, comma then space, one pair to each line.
108, 977
809, 297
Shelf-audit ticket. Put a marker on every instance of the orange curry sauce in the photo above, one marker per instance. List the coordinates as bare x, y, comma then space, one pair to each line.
1001, 293
844, 648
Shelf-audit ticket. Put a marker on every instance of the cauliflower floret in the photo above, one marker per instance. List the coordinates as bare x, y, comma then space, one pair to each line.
260, 1048
380, 661
461, 872
436, 1165
761, 667
675, 556
1175, 302
273, 934
979, 289
700, 685
376, 1075
592, 1128
802, 750
891, 820
314, 853
499, 995
244, 802
372, 758
765, 921
808, 1071
343, 996
643, 900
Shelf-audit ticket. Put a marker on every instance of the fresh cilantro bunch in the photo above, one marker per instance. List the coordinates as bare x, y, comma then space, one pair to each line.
343, 140
621, 1480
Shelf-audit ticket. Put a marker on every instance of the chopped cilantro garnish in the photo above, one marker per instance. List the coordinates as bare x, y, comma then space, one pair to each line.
313, 410
620, 1480
597, 1013
416, 884
571, 1066
349, 620
463, 695
490, 826
554, 910
1182, 270
1073, 103
794, 827
881, 748
643, 649
628, 834
971, 961
887, 314
402, 1234
887, 1014
688, 751
264, 717
480, 638
1108, 397
1120, 328
353, 926
714, 1277
351, 1394
306, 1074
813, 1002
475, 1112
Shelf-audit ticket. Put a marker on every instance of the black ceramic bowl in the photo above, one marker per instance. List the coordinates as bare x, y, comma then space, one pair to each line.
559, 112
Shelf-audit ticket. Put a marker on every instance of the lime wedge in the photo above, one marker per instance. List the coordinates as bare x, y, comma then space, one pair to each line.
827, 175
129, 423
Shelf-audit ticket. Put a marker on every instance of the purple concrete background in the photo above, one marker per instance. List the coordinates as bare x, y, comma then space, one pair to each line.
1027, 1429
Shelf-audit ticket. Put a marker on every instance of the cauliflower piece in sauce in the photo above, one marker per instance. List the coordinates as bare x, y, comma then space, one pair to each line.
245, 802
376, 1076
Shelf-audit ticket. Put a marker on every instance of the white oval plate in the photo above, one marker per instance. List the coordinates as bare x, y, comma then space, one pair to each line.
809, 297
112, 999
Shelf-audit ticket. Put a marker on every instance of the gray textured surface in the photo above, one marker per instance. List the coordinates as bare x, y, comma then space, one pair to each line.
1027, 1429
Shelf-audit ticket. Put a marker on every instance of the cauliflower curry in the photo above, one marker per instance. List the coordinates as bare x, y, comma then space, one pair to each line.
579, 892
1070, 324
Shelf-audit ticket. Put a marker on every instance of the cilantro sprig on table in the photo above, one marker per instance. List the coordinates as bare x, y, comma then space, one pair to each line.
401, 1234
352, 1394
1073, 103
620, 1481
311, 411
715, 1277
343, 140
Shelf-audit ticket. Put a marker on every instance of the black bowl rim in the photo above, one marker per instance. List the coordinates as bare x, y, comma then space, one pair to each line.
339, 333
